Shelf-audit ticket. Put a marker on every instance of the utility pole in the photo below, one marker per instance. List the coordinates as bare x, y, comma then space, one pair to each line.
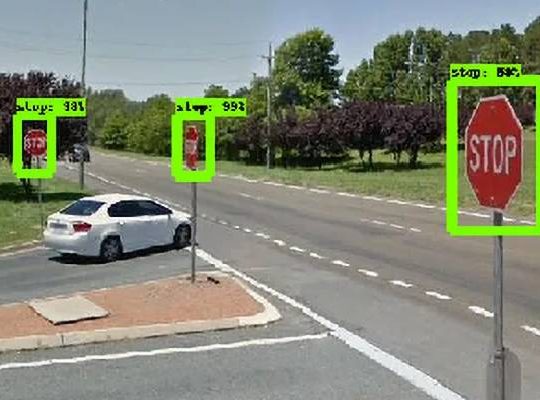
269, 58
83, 91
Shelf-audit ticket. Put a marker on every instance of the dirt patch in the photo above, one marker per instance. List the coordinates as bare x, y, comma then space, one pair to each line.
164, 301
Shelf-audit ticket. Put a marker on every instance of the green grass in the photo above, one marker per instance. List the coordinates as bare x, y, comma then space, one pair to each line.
426, 183
19, 217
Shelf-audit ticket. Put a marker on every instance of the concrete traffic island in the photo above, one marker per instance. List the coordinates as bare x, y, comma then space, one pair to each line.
156, 308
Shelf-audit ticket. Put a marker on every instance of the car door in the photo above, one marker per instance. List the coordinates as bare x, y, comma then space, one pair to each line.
131, 224
161, 223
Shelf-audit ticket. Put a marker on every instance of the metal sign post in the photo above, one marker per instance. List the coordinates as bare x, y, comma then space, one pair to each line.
192, 137
40, 197
193, 229
498, 348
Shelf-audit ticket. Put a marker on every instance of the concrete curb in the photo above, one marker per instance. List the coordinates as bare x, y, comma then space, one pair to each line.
268, 315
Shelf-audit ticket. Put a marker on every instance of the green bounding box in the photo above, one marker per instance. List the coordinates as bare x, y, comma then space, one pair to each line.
200, 109
41, 109
452, 179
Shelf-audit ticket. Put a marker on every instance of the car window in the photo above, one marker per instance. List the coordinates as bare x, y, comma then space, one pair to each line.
129, 208
82, 207
150, 208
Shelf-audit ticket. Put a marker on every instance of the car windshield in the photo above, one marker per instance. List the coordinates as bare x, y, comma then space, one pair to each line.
82, 207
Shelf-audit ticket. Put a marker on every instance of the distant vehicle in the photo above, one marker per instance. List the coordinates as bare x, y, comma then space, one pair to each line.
79, 151
110, 225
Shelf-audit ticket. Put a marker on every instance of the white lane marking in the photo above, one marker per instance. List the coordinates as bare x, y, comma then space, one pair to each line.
223, 222
295, 187
414, 376
165, 351
524, 221
262, 235
236, 227
298, 249
273, 183
280, 242
421, 205
321, 191
397, 282
317, 256
395, 201
507, 219
341, 263
397, 226
369, 273
377, 222
438, 295
481, 311
249, 196
22, 251
415, 230
531, 329
372, 198
345, 194
247, 230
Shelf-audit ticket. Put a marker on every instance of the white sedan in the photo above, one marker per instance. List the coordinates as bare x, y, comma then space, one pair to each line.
109, 225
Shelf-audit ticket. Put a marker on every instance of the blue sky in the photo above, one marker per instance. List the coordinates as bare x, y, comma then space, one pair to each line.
176, 46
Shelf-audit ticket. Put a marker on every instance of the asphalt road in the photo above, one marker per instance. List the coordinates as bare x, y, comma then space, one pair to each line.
384, 271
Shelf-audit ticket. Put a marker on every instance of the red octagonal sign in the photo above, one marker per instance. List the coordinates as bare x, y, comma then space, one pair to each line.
494, 148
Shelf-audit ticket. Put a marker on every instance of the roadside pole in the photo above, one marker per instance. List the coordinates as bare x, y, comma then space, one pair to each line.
83, 84
193, 229
40, 197
498, 348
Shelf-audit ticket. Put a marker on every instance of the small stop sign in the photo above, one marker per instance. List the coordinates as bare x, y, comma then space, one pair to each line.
35, 142
494, 141
191, 144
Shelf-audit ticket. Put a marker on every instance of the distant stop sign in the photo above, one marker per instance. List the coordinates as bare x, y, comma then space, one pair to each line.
494, 141
35, 142
191, 145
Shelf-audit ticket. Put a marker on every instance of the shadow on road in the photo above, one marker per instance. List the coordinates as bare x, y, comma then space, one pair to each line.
80, 260
15, 193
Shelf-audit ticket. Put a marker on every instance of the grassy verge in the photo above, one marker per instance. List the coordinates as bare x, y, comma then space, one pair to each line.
426, 183
20, 217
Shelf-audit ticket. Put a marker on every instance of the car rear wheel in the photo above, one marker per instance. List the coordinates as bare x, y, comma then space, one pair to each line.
182, 236
111, 249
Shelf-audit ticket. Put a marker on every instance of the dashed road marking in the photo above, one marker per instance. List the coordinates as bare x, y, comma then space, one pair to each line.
397, 226
377, 222
317, 256
397, 282
247, 230
481, 311
374, 198
345, 194
395, 201
421, 205
415, 230
273, 183
296, 187
262, 235
222, 222
298, 249
438, 295
341, 263
531, 329
280, 243
367, 272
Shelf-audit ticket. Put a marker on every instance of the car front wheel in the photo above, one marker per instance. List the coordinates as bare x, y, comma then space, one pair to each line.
182, 237
111, 249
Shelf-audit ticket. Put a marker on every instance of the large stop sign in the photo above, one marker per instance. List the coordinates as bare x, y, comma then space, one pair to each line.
494, 148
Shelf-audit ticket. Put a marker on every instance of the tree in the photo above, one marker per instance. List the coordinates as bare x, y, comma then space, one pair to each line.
531, 47
305, 70
101, 105
217, 91
114, 135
